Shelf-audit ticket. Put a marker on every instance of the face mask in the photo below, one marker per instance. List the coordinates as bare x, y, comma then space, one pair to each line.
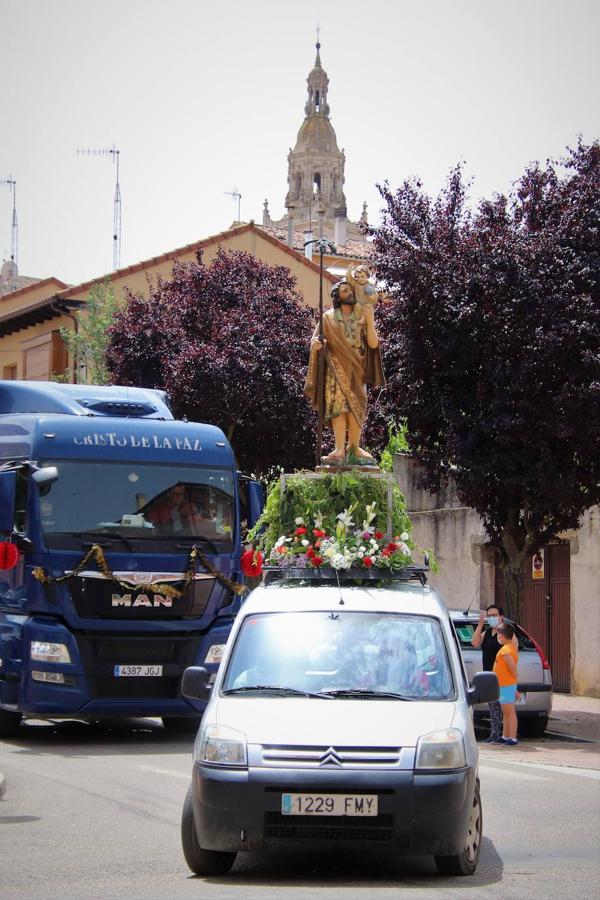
493, 621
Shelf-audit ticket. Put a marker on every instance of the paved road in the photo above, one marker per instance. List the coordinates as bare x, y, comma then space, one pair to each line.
94, 812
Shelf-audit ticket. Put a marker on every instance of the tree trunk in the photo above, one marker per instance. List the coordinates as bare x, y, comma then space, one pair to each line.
513, 588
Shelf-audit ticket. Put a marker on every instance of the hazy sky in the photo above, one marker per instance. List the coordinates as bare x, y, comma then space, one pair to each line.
202, 97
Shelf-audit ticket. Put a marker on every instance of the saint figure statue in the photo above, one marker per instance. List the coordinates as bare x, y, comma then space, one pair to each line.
352, 360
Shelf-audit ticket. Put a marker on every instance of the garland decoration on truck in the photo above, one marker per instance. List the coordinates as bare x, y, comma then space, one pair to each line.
96, 553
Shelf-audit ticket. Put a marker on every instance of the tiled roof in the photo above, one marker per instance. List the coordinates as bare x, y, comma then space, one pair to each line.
237, 228
22, 281
352, 249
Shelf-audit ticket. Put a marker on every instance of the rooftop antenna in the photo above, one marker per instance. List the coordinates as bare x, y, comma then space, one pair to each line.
113, 152
236, 196
14, 229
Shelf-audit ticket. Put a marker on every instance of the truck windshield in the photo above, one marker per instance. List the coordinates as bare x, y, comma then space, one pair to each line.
141, 501
341, 654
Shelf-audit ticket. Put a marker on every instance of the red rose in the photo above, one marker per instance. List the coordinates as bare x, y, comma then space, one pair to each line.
386, 552
317, 561
300, 531
310, 553
379, 535
392, 546
318, 533
367, 561
252, 563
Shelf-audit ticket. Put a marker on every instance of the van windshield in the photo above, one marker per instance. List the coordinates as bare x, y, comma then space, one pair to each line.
337, 652
144, 501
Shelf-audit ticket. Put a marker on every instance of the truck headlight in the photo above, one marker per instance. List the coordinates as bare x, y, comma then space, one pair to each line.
215, 654
46, 651
443, 749
222, 746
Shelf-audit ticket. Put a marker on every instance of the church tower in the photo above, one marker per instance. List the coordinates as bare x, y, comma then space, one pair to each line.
316, 164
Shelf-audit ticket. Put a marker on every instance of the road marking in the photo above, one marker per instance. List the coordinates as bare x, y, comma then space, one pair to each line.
157, 771
556, 770
504, 773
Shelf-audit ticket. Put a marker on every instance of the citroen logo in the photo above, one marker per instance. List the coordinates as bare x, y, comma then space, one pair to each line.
330, 758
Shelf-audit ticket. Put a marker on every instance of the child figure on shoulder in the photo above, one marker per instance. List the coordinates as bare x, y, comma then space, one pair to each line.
364, 291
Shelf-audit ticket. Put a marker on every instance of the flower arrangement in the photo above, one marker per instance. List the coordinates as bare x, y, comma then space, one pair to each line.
340, 522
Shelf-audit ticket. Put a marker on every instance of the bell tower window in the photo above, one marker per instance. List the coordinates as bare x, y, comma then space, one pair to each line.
317, 184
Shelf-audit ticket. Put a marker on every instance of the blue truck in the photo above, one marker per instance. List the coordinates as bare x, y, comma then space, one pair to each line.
120, 541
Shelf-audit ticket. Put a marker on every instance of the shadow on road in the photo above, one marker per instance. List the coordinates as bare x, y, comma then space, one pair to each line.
359, 870
74, 738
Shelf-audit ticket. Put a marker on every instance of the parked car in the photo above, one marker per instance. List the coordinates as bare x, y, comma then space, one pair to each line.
535, 678
308, 740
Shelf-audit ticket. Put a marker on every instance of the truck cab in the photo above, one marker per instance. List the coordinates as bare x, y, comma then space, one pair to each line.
128, 528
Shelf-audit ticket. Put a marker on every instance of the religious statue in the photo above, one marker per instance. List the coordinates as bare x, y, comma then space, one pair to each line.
364, 291
352, 359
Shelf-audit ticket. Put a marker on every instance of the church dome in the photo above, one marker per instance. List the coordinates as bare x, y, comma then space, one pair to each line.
316, 133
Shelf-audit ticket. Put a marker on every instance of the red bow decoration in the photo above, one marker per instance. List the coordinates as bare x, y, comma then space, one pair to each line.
251, 562
9, 555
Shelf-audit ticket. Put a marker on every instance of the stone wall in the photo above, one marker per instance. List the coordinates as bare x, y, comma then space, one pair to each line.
455, 535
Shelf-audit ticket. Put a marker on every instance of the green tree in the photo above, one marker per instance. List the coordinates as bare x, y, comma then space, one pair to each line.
89, 340
492, 348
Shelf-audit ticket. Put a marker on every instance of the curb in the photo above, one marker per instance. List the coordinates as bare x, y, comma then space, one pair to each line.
2, 785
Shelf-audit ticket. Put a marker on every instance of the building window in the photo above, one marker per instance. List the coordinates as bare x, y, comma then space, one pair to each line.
9, 373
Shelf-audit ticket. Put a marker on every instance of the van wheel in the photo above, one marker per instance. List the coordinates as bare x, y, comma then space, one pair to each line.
465, 863
533, 727
201, 862
181, 725
9, 722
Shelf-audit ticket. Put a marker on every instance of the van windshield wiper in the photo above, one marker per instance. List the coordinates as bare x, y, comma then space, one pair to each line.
366, 693
274, 689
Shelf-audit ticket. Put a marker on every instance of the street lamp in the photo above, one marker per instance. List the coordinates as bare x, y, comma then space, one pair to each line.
322, 246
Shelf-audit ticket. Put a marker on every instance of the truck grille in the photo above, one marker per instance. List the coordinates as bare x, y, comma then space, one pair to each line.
100, 654
97, 598
329, 828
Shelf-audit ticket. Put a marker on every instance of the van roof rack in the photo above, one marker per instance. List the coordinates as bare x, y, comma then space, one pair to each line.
326, 575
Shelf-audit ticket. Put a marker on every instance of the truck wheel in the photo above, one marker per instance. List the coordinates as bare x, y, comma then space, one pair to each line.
533, 727
465, 863
9, 722
201, 862
181, 725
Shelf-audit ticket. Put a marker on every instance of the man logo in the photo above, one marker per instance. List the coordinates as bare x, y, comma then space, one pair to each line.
141, 600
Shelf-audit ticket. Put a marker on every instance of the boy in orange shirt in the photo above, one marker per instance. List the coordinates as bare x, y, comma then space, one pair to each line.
505, 668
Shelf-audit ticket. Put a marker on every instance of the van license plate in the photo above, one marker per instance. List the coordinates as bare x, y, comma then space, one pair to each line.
329, 804
138, 671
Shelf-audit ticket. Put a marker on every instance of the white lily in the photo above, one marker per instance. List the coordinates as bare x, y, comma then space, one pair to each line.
345, 518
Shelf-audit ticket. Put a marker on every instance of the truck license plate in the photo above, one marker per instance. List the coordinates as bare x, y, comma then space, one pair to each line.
138, 671
329, 804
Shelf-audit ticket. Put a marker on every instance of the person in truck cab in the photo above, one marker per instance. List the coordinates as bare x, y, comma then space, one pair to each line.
174, 512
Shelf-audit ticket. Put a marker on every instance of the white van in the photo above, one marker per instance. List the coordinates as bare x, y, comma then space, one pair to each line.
340, 716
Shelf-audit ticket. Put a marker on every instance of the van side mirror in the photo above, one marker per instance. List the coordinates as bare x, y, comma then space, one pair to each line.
484, 688
194, 684
8, 493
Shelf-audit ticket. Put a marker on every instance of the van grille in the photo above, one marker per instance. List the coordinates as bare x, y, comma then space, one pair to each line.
331, 757
332, 828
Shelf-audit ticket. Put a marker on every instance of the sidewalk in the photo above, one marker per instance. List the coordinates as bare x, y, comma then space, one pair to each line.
575, 717
572, 738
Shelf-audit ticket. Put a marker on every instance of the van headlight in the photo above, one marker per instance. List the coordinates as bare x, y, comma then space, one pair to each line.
222, 746
49, 652
441, 750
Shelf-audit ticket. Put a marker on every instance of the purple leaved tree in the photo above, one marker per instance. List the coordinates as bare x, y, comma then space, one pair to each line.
229, 342
492, 348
